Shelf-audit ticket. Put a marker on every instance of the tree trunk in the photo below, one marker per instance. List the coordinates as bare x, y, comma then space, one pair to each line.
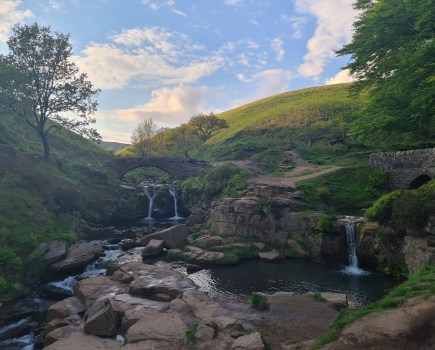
43, 137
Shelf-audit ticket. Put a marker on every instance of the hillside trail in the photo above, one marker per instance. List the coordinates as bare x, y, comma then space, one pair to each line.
302, 170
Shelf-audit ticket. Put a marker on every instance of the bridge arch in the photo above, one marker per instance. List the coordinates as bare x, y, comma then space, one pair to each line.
419, 181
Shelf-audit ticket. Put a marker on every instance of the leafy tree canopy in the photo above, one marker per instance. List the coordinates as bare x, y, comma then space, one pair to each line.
205, 125
392, 56
39, 83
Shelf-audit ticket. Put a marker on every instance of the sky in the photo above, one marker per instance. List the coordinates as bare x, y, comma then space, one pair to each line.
171, 59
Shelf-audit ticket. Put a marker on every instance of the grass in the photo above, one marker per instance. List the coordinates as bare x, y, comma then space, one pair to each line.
258, 301
421, 283
191, 333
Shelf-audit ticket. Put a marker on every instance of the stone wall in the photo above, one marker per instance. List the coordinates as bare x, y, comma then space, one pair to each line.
404, 167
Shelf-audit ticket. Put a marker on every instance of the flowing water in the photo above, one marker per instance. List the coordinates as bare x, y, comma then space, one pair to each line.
352, 269
173, 193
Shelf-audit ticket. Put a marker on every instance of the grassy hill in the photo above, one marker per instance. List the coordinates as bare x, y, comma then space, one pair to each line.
41, 202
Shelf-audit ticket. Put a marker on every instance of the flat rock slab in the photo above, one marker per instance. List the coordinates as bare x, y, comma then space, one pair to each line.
271, 256
93, 288
158, 326
251, 341
81, 341
153, 248
79, 255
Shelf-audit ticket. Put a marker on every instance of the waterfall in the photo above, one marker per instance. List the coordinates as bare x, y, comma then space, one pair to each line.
352, 269
173, 193
151, 202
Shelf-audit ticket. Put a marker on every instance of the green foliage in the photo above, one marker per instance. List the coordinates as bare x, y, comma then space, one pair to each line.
326, 339
258, 301
152, 174
205, 125
382, 208
346, 189
323, 224
9, 260
191, 333
4, 285
218, 181
391, 55
229, 259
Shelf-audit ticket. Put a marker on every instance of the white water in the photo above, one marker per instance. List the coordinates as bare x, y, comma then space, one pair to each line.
151, 203
173, 193
66, 284
352, 269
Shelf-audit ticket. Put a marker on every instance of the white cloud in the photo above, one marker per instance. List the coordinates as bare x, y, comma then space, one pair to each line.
148, 58
156, 5
333, 29
266, 83
276, 45
10, 15
341, 77
297, 23
169, 106
54, 5
233, 2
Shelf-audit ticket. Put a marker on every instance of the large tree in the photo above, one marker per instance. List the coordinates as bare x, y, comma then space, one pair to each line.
205, 125
142, 134
40, 84
392, 56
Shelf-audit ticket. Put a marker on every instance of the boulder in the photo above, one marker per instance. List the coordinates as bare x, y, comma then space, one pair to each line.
79, 340
56, 251
74, 320
60, 333
93, 288
55, 292
153, 248
101, 319
271, 256
79, 255
252, 341
158, 326
65, 308
173, 236
205, 332
127, 244
122, 276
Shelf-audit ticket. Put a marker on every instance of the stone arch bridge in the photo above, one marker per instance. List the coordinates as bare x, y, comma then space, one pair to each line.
178, 168
408, 169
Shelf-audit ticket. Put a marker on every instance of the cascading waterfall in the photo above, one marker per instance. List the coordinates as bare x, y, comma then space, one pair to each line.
173, 193
151, 201
352, 269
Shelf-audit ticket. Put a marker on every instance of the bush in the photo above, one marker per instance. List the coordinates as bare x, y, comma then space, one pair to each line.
229, 259
191, 333
9, 260
382, 208
258, 301
324, 223
4, 285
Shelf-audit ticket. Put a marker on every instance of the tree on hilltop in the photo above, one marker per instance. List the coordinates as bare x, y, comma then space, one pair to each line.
392, 56
142, 134
205, 125
40, 84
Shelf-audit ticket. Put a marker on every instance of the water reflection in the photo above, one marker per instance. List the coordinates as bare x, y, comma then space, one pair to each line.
238, 282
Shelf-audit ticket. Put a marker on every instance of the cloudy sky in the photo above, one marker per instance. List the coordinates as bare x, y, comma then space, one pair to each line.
171, 59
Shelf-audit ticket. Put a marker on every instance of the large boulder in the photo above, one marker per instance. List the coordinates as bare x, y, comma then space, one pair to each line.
82, 341
101, 319
271, 256
153, 248
65, 308
158, 326
97, 287
50, 252
79, 255
252, 341
173, 236
60, 333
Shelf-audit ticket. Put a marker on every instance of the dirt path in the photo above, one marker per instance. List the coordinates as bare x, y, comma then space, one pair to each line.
302, 171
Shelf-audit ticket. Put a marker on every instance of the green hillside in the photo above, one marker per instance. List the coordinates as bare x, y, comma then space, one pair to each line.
41, 202
293, 109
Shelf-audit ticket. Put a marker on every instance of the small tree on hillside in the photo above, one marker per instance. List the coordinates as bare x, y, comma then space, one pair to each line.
205, 125
142, 134
182, 139
39, 83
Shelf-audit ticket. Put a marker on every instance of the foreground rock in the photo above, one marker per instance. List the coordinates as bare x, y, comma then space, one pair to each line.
101, 319
196, 255
173, 236
272, 256
78, 256
153, 248
65, 308
411, 326
249, 342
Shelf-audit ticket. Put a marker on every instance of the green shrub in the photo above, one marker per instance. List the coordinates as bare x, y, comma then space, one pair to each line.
191, 333
318, 297
258, 301
4, 285
324, 223
229, 259
9, 260
382, 208
324, 194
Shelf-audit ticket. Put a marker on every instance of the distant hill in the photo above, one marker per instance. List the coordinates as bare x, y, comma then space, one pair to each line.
113, 145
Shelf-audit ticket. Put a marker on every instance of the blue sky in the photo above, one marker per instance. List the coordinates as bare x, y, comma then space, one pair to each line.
172, 59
